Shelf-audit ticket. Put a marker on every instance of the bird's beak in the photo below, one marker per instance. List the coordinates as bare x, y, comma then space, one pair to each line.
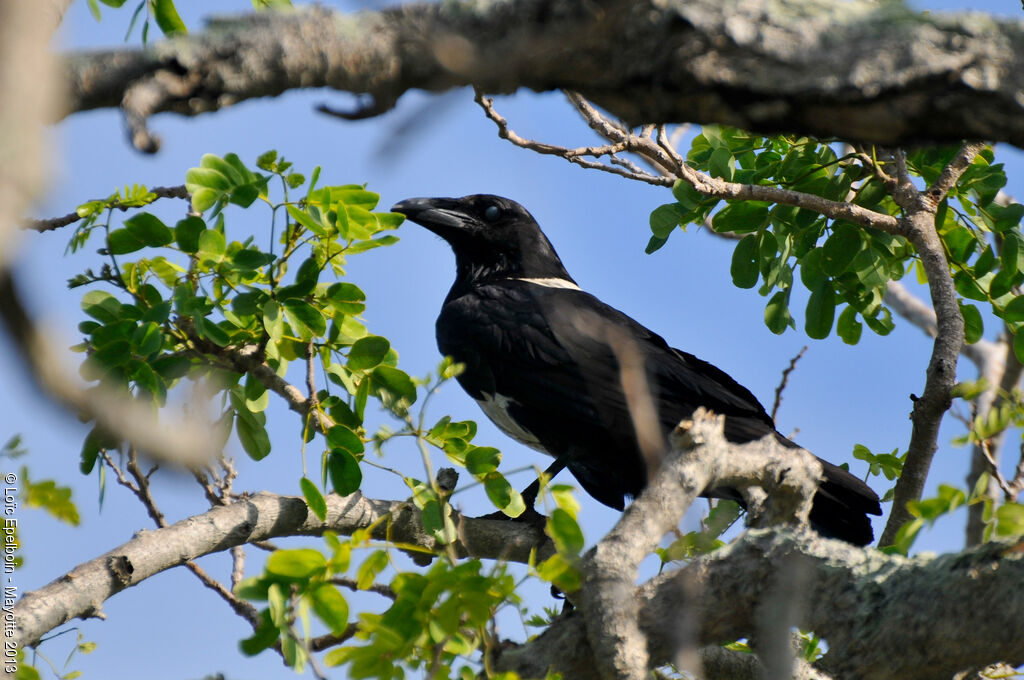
439, 215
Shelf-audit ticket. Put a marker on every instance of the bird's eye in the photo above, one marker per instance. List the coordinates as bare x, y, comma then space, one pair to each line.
492, 213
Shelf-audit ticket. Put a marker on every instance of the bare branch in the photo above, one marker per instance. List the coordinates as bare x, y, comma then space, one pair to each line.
785, 379
577, 156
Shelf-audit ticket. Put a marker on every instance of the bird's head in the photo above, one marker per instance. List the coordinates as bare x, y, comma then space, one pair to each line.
491, 236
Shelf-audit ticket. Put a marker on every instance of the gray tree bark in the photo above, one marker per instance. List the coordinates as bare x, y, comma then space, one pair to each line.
860, 71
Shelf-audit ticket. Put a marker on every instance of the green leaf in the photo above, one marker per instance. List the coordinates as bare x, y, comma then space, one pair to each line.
482, 459
344, 472
186, 233
252, 433
149, 229
849, 328
363, 246
94, 442
821, 309
1010, 520
504, 497
1005, 217
341, 437
122, 241
101, 306
741, 217
560, 570
212, 332
273, 321
1018, 345
306, 321
960, 242
367, 352
565, 532
688, 197
666, 218
968, 286
211, 246
306, 277
250, 259
353, 195
906, 535
840, 248
261, 639
776, 313
147, 339
345, 298
314, 498
300, 563
974, 327
654, 244
744, 267
395, 381
308, 221
167, 18
721, 163
330, 606
1013, 312
375, 563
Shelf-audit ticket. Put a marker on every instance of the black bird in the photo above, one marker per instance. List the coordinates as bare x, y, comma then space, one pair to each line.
550, 365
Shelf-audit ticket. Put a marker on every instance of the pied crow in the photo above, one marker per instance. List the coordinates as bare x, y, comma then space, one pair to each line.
562, 372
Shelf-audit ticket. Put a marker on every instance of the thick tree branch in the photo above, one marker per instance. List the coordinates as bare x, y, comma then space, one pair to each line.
857, 70
918, 226
81, 592
880, 614
702, 459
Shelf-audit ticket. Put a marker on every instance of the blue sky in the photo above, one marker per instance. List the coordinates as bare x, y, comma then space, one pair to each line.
838, 396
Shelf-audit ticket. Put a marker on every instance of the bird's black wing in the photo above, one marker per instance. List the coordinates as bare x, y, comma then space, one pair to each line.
552, 356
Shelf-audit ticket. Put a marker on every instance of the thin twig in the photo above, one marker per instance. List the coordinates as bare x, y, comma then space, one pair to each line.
954, 169
141, 490
323, 642
54, 223
249, 359
378, 588
661, 156
238, 605
572, 155
237, 565
785, 380
993, 469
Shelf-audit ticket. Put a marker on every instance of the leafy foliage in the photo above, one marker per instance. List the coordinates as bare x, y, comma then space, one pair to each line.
196, 302
844, 266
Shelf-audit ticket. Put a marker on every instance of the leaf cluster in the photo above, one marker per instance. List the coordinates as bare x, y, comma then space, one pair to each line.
844, 266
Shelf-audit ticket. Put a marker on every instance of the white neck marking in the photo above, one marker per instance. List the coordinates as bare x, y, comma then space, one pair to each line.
551, 283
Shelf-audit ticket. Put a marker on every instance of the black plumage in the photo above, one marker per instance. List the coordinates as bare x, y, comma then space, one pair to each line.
548, 363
